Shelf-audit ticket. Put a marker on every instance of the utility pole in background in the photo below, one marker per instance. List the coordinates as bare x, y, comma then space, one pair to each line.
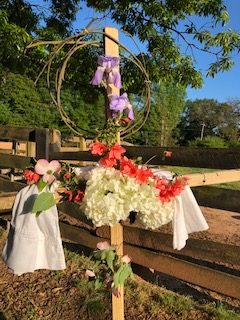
202, 130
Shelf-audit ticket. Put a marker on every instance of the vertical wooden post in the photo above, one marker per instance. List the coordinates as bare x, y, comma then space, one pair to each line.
111, 48
14, 151
42, 143
54, 141
31, 149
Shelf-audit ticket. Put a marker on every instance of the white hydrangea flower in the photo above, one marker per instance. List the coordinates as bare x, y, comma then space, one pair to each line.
111, 196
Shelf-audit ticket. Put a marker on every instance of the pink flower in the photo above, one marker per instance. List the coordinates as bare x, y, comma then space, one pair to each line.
47, 169
103, 245
126, 259
167, 153
89, 274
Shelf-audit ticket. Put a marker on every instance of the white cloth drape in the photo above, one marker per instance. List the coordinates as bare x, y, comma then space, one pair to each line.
33, 242
187, 216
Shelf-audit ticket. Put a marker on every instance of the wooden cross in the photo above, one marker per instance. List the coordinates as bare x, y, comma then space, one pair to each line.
111, 48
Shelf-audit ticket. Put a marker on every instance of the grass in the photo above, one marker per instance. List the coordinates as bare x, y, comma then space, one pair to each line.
69, 295
219, 312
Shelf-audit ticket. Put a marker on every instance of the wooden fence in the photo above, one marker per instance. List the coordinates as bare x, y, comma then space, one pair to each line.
198, 263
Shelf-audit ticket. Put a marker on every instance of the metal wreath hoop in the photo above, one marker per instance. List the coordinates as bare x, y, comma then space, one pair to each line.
77, 42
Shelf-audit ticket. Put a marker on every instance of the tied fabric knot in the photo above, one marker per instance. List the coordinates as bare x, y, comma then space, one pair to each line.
121, 104
110, 66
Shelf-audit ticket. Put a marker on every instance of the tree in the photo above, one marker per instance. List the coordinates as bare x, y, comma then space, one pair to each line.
209, 117
22, 103
159, 24
168, 26
168, 102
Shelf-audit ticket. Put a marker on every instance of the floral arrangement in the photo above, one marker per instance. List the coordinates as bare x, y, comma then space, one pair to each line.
113, 190
119, 186
109, 192
115, 270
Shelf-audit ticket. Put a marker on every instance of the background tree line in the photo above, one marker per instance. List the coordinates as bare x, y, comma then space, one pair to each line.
172, 119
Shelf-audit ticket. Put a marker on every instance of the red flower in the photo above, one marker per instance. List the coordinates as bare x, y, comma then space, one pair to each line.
108, 161
98, 148
79, 196
167, 153
30, 176
169, 190
69, 194
142, 174
176, 188
160, 184
128, 167
67, 175
125, 120
116, 151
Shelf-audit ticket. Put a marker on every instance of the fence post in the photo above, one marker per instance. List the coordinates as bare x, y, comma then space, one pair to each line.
42, 143
111, 48
55, 141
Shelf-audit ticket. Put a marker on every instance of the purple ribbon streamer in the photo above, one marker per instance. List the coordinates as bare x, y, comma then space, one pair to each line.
109, 65
121, 104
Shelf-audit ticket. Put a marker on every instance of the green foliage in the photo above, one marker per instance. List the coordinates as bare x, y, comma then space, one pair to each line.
5, 114
13, 40
114, 269
167, 104
209, 117
161, 23
20, 13
156, 23
208, 142
235, 144
22, 103
63, 12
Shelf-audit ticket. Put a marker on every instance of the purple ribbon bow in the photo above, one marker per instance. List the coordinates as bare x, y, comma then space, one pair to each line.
109, 65
121, 104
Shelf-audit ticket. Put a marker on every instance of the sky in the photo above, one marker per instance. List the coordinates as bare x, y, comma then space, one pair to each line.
223, 87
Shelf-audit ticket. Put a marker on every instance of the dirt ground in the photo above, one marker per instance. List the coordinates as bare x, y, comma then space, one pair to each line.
224, 226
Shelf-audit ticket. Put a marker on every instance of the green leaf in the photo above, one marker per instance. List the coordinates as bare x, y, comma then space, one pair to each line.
116, 276
125, 273
44, 201
110, 256
97, 284
41, 185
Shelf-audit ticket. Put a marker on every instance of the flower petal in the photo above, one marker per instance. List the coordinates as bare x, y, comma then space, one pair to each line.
41, 166
55, 166
103, 245
98, 76
49, 178
89, 273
